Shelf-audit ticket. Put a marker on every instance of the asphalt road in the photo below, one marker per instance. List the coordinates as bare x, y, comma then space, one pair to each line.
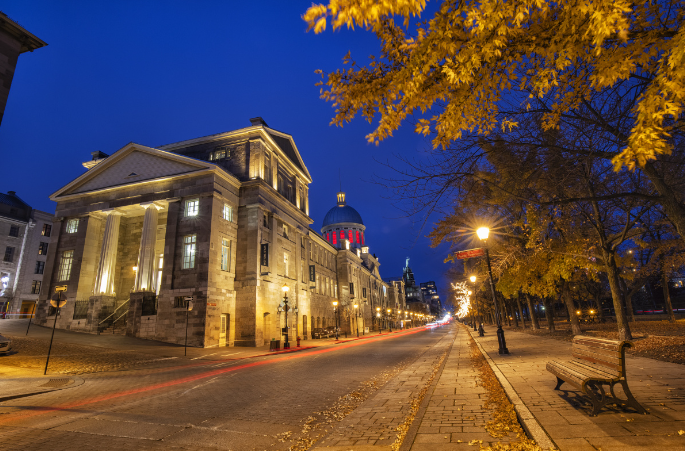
257, 403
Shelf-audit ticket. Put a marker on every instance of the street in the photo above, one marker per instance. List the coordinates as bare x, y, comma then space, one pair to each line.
216, 402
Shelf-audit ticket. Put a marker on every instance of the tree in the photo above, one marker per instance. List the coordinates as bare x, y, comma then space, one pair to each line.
455, 74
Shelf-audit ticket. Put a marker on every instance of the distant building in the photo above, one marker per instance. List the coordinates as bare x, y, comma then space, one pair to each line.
429, 292
24, 237
414, 296
14, 40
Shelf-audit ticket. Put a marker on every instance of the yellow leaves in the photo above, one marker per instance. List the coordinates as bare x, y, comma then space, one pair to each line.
364, 13
681, 432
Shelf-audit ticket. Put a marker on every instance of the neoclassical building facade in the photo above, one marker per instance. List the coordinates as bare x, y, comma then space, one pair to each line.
223, 219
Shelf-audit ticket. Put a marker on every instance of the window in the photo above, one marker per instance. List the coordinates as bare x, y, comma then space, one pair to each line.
358, 240
9, 254
14, 230
267, 169
350, 234
65, 265
266, 221
228, 213
43, 248
180, 302
40, 267
220, 153
189, 242
192, 207
301, 199
72, 225
285, 265
46, 230
279, 187
351, 288
336, 289
285, 231
335, 237
302, 271
225, 255
35, 287
364, 292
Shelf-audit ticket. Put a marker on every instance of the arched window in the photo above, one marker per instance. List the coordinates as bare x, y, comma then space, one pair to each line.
351, 235
358, 240
342, 234
335, 237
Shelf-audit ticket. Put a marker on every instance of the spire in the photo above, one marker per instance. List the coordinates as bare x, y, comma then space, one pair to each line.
341, 199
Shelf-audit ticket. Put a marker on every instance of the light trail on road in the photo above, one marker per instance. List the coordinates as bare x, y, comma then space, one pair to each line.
11, 418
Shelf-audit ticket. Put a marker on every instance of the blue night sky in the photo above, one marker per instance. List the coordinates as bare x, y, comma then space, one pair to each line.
160, 72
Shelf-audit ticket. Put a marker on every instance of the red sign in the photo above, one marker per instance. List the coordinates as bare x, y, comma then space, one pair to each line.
470, 253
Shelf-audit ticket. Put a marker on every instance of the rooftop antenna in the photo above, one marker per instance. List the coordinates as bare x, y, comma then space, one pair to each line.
340, 179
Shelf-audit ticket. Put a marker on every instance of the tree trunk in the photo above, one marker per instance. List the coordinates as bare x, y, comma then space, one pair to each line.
627, 299
613, 275
531, 312
571, 308
598, 305
548, 314
667, 298
520, 307
513, 313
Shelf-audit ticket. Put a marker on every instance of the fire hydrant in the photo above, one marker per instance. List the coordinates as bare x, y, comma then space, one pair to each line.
298, 342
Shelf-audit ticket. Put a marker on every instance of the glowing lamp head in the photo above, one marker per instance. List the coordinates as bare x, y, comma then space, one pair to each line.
285, 288
389, 310
335, 303
470, 292
472, 279
592, 312
356, 306
378, 309
483, 233
578, 312
135, 268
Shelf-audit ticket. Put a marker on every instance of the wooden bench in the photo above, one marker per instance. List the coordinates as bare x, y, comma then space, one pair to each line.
596, 362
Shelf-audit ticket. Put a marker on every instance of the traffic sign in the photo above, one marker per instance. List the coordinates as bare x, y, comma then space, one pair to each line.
478, 252
60, 288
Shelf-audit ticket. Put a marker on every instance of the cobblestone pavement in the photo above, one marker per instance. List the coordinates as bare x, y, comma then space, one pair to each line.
658, 386
376, 421
258, 403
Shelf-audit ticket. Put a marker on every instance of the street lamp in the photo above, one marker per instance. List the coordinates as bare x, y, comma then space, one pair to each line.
356, 318
335, 316
389, 325
483, 233
378, 318
473, 281
285, 288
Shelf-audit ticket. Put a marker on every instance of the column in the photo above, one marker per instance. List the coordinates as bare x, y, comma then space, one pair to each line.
104, 283
145, 277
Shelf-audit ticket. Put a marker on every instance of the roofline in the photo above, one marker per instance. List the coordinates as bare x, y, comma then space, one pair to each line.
29, 41
261, 129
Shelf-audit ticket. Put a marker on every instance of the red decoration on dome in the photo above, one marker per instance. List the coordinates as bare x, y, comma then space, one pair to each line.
335, 238
350, 234
342, 234
358, 240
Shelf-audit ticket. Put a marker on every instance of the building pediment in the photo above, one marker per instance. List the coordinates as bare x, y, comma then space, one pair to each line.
130, 165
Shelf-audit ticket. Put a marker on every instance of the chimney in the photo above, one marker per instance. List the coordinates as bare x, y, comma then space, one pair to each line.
258, 121
12, 193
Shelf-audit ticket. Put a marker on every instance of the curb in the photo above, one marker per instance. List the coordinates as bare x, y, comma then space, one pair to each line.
77, 382
526, 418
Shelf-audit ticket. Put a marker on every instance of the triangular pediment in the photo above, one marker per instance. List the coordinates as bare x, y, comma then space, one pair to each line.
132, 164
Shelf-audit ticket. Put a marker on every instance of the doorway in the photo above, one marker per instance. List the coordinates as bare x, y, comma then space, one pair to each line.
223, 330
304, 327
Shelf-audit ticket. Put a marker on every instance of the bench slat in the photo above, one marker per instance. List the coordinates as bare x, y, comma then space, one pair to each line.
609, 346
595, 349
598, 360
579, 373
590, 368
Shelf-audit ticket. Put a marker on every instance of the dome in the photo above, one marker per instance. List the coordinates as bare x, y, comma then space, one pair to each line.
343, 213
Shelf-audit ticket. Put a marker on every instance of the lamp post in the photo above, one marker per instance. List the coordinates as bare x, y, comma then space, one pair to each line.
378, 318
356, 318
57, 303
483, 233
189, 307
335, 316
286, 343
389, 324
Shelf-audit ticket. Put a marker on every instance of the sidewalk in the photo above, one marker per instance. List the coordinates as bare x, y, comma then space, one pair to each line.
658, 386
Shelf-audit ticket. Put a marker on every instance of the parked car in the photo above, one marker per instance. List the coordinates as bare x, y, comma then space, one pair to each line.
331, 331
5, 345
319, 333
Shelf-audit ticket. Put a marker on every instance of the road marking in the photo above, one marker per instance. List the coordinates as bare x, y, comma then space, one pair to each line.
203, 356
224, 355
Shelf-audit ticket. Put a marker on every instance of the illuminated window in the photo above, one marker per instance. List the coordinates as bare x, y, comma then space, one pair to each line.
192, 207
286, 269
64, 272
43, 248
342, 234
358, 240
225, 255
47, 228
72, 226
227, 213
35, 287
350, 234
219, 153
335, 237
189, 242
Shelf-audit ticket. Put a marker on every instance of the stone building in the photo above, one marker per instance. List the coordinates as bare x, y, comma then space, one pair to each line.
223, 219
24, 237
14, 40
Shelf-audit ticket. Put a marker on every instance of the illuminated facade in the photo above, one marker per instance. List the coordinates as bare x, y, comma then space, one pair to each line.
223, 219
